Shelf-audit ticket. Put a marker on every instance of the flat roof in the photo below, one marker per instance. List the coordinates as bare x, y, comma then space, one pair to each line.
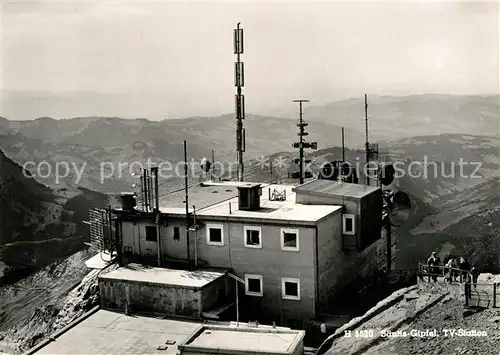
244, 339
287, 210
199, 196
335, 189
106, 332
162, 276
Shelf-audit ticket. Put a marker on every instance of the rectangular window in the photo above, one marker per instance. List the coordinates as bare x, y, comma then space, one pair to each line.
177, 233
215, 234
151, 235
253, 285
290, 239
290, 288
253, 238
348, 224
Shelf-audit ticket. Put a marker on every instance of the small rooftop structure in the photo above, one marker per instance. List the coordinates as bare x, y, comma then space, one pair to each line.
243, 340
335, 189
173, 293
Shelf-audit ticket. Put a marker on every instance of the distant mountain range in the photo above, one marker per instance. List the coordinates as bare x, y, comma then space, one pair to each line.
96, 140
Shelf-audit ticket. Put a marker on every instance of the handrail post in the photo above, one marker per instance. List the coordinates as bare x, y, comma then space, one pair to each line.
494, 295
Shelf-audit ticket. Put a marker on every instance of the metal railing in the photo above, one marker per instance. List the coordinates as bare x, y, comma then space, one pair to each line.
476, 294
441, 271
483, 295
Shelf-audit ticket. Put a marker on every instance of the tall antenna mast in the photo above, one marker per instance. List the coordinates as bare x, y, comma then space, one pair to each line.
239, 82
343, 146
367, 144
186, 203
301, 144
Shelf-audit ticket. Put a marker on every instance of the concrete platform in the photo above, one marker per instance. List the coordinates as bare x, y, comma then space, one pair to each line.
112, 333
243, 340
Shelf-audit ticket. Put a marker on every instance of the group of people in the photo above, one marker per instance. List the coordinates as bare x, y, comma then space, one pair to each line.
452, 269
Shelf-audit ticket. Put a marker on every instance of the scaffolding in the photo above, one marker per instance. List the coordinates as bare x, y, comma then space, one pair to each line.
100, 230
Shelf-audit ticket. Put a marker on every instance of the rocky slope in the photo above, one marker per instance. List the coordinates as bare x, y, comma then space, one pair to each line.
46, 301
423, 307
39, 225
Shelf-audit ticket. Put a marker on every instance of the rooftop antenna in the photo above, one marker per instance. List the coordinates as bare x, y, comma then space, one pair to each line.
343, 146
367, 144
239, 82
154, 173
301, 144
186, 202
146, 198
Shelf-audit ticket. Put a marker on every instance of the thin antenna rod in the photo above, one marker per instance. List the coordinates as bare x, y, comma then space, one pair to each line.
212, 167
367, 144
343, 146
150, 192
186, 202
154, 173
145, 174
301, 149
143, 190
271, 168
301, 144
240, 99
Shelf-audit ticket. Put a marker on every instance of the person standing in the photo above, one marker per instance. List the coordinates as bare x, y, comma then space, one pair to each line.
464, 267
475, 274
433, 263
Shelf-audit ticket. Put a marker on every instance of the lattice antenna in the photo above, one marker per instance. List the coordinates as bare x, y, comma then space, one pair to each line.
239, 82
301, 144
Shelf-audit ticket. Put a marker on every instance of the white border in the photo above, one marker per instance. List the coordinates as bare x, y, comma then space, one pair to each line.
215, 226
352, 217
259, 277
288, 230
252, 228
283, 290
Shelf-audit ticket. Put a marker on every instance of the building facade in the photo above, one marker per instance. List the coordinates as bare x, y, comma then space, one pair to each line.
293, 250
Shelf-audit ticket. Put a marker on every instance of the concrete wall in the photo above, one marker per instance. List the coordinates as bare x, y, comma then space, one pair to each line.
371, 215
271, 262
350, 242
150, 298
329, 257
134, 236
217, 293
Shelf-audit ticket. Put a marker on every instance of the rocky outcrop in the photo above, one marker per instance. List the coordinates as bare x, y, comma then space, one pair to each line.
45, 302
416, 320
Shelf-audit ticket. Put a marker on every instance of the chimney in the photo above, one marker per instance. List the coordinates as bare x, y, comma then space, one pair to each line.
249, 197
128, 201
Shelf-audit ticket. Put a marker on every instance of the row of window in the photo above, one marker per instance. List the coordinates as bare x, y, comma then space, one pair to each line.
253, 237
290, 287
253, 234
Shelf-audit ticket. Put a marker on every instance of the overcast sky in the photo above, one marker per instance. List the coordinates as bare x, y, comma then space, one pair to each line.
183, 51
